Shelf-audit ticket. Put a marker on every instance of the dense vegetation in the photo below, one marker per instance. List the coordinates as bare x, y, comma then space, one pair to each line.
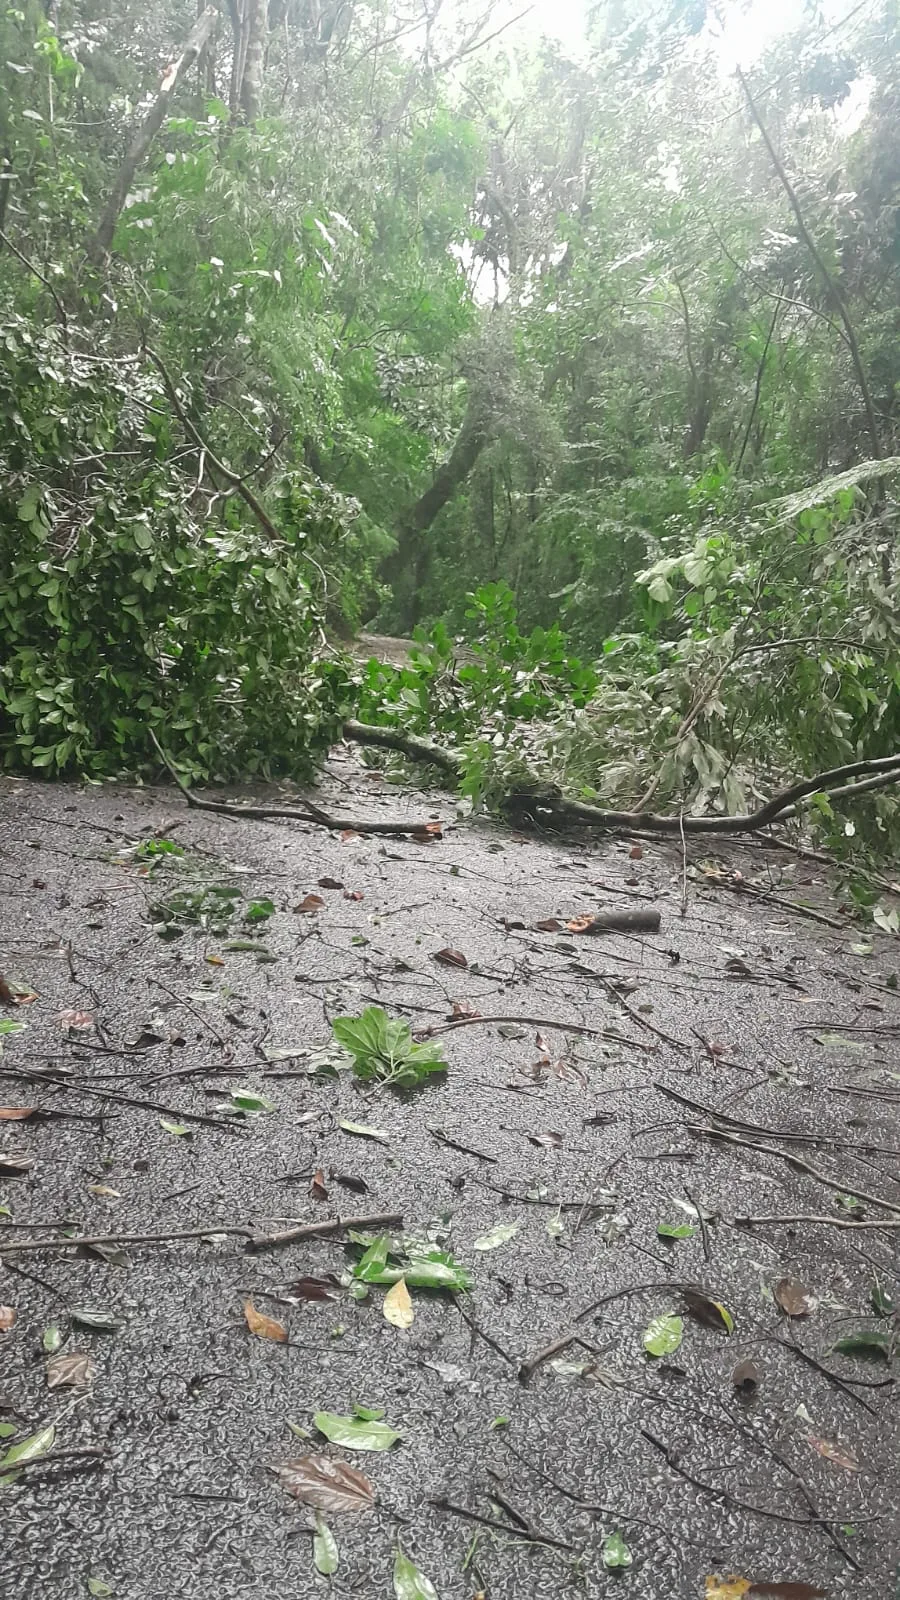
357, 315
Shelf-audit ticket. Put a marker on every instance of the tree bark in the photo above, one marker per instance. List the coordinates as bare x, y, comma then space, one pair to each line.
140, 145
251, 81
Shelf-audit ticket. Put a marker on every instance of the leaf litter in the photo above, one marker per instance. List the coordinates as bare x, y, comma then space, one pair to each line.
334, 1487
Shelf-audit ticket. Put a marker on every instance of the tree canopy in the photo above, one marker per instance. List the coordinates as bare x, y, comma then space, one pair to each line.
316, 314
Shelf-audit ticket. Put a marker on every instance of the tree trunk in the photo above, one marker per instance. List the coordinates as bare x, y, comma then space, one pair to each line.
251, 82
407, 568
140, 145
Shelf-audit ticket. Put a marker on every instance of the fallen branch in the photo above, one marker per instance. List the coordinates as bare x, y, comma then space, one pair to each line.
313, 813
831, 1222
405, 744
530, 1022
440, 1503
255, 1241
672, 1460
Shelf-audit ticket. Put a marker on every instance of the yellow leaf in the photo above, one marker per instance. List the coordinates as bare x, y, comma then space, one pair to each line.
398, 1306
104, 1191
264, 1327
215, 961
726, 1588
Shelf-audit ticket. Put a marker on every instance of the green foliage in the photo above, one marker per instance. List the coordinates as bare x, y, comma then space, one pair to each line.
383, 1050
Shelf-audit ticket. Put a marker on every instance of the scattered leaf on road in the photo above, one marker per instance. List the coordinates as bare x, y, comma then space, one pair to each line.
712, 1313
330, 1486
870, 1344
355, 1433
16, 1113
746, 1376
264, 1327
834, 1452
30, 1449
409, 1582
663, 1335
330, 883
80, 1021
314, 1289
318, 1189
51, 1338
325, 1548
70, 1370
398, 1307
451, 958
95, 1318
362, 1131
7, 1318
546, 1141
615, 1552
675, 1230
501, 1234
12, 1166
794, 1298
310, 904
178, 1129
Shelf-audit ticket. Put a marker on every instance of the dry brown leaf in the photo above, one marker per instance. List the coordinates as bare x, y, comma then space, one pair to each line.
794, 1298
7, 1318
398, 1307
15, 1166
834, 1452
317, 1188
7, 998
264, 1327
726, 1588
734, 1588
330, 1486
461, 1008
451, 958
581, 924
546, 1141
315, 1289
310, 904
636, 853
81, 1021
70, 1370
354, 894
330, 883
746, 1376
348, 834
16, 1113
549, 925
712, 1313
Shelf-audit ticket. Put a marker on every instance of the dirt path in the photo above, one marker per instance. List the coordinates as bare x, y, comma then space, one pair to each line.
554, 1144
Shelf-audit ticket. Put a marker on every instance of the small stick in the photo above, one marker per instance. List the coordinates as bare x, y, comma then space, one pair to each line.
704, 1231
309, 1230
89, 1455
456, 1144
635, 1016
831, 1222
839, 1383
442, 1504
530, 1365
528, 1368
530, 1022
480, 1331
672, 1461
64, 1242
841, 1187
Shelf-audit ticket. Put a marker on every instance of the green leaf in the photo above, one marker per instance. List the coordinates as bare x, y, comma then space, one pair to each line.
30, 1449
99, 1588
325, 1548
383, 1049
369, 1413
501, 1234
675, 1230
881, 1300
615, 1552
245, 1100
179, 1129
10, 1025
870, 1344
355, 1433
259, 910
51, 1339
7, 1429
409, 1582
663, 1335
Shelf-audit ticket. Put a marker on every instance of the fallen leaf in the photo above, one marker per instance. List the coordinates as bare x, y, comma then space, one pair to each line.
104, 1192
870, 1344
99, 1589
81, 1021
309, 904
7, 998
663, 1335
355, 1433
354, 894
264, 1327
362, 1131
636, 853
30, 1449
325, 1548
397, 1305
16, 1113
794, 1298
450, 958
712, 1313
51, 1339
726, 1588
179, 1130
409, 1582
675, 1230
881, 1300
546, 1141
332, 1486
349, 833
215, 961
746, 1376
549, 925
314, 1289
615, 1552
502, 1234
330, 883
15, 1166
318, 1189
349, 1180
834, 1452
95, 1318
70, 1370
7, 1318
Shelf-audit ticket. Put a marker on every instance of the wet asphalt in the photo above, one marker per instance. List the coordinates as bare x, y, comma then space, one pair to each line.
768, 1015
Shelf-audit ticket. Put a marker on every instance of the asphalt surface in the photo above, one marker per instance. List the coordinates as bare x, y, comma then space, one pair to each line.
768, 1016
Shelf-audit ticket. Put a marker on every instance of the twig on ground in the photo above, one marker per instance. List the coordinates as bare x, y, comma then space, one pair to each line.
456, 1144
840, 1185
312, 813
89, 1455
701, 1220
672, 1460
635, 1016
530, 1022
476, 1328
831, 1222
824, 1372
309, 1230
405, 744
440, 1503
255, 1241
